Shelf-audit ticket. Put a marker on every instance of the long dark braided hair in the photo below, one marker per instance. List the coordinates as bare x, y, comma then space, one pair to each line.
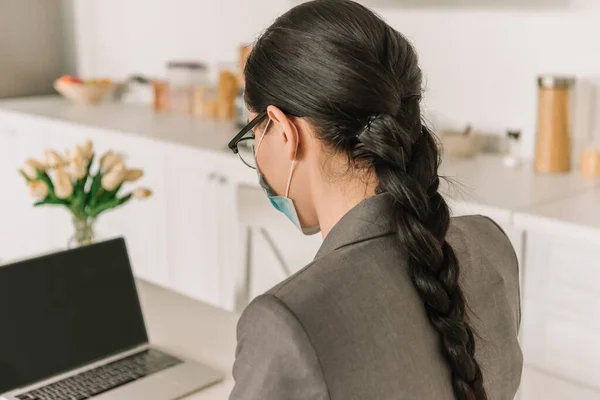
358, 82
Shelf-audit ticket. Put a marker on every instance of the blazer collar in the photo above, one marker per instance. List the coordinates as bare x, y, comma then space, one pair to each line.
371, 218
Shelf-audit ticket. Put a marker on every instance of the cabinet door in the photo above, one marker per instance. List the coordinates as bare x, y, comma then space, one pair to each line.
192, 223
23, 228
561, 307
536, 385
144, 222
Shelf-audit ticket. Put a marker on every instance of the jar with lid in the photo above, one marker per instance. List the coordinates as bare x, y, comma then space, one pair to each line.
183, 78
590, 152
553, 144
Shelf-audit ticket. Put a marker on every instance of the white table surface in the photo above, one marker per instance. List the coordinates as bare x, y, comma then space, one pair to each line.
193, 329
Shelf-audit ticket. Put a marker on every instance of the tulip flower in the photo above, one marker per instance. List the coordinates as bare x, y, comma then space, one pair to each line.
132, 175
53, 159
66, 178
114, 177
63, 187
87, 149
78, 167
38, 189
109, 160
141, 193
31, 167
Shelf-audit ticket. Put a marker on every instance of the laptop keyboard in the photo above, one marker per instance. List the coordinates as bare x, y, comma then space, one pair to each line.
104, 378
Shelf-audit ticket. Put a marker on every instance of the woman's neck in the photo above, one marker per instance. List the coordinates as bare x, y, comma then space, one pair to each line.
334, 199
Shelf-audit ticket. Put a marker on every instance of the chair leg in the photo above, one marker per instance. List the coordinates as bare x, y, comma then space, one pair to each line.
243, 296
285, 269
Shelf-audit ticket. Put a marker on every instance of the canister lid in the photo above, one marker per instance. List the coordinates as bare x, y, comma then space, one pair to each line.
556, 81
186, 65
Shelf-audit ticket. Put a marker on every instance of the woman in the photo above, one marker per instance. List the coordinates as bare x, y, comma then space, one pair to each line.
401, 302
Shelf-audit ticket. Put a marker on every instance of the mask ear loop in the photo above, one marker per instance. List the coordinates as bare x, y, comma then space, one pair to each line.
289, 182
261, 138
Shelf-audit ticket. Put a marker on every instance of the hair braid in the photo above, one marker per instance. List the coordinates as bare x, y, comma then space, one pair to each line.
422, 218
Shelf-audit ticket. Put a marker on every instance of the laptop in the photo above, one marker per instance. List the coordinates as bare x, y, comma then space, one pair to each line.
71, 327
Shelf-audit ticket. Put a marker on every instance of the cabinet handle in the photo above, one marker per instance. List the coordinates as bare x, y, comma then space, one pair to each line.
222, 180
212, 176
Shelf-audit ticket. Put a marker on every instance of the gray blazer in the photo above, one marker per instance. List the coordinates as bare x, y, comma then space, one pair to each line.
350, 325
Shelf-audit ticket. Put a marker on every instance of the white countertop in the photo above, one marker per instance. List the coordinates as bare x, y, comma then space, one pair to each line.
479, 185
577, 216
484, 180
129, 119
192, 329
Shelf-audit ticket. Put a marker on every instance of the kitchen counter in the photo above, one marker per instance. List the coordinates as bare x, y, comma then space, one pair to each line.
129, 119
191, 329
482, 181
577, 216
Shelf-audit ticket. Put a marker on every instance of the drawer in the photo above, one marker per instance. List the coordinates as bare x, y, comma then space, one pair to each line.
561, 344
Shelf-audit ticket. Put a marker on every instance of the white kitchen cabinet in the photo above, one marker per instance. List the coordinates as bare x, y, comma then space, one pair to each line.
145, 222
23, 228
536, 385
192, 223
562, 286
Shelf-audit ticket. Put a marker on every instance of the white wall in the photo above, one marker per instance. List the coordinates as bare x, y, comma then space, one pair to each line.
481, 65
120, 37
481, 58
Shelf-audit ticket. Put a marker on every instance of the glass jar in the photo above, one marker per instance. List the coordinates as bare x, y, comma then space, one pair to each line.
590, 149
83, 233
183, 78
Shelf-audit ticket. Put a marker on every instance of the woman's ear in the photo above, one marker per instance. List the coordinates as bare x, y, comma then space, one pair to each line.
288, 131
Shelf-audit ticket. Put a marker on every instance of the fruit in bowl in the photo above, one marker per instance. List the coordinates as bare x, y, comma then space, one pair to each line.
89, 91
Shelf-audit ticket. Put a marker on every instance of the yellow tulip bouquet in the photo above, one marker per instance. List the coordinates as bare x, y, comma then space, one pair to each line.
68, 180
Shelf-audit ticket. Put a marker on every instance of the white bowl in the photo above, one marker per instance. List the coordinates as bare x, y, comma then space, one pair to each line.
83, 94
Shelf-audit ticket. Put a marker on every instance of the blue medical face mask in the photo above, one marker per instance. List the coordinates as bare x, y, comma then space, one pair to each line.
282, 203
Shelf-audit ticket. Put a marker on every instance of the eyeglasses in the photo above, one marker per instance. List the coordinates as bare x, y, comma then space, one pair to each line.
243, 145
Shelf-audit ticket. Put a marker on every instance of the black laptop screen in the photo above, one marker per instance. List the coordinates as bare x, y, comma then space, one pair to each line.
64, 310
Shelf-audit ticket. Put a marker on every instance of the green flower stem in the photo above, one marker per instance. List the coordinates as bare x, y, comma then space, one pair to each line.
54, 201
116, 202
95, 188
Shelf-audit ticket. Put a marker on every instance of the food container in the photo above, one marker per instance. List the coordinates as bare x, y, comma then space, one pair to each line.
244, 54
462, 144
183, 78
553, 148
160, 100
590, 162
227, 92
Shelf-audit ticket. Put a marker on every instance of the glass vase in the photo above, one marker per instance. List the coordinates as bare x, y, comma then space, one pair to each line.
83, 233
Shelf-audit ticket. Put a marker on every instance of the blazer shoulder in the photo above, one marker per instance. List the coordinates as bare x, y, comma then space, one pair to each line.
274, 357
481, 230
482, 245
